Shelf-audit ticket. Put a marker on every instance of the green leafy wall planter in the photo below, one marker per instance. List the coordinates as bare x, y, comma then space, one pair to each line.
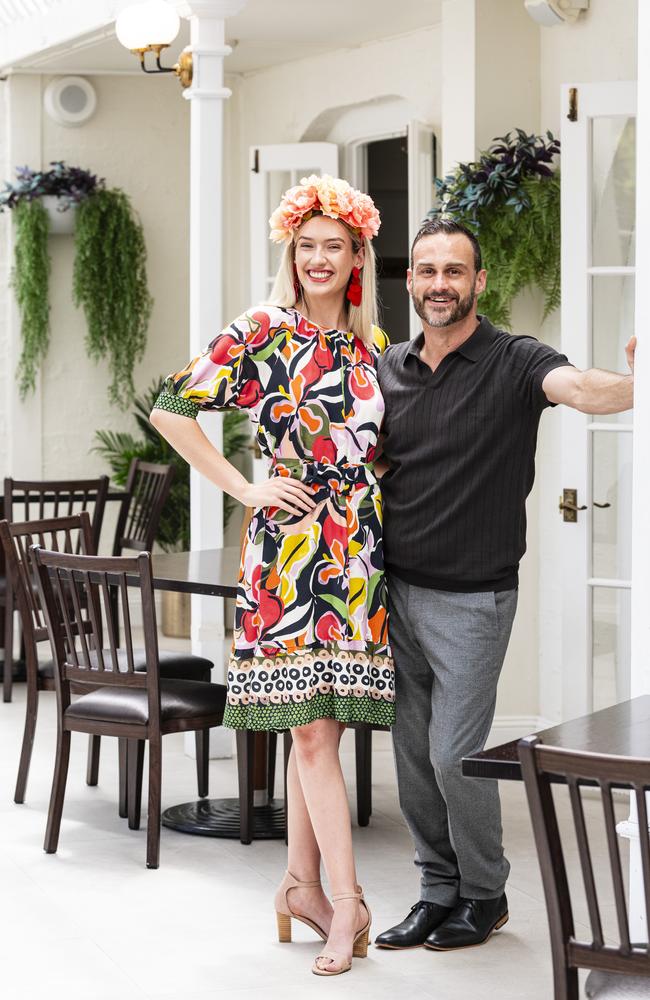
109, 280
510, 197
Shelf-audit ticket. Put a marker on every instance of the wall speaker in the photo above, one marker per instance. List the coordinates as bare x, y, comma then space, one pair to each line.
70, 100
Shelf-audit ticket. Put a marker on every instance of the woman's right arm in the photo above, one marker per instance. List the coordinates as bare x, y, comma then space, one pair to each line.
186, 437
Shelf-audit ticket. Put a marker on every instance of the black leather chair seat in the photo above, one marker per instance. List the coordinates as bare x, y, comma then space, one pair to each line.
178, 699
179, 666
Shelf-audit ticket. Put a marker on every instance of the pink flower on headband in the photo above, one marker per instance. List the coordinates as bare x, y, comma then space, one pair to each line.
330, 196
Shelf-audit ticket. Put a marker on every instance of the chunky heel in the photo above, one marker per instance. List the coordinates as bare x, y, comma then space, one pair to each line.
284, 913
360, 947
284, 928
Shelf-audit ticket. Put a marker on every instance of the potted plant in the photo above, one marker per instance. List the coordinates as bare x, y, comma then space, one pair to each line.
120, 447
511, 198
109, 281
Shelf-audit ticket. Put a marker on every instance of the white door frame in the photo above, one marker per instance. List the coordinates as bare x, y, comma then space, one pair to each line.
578, 582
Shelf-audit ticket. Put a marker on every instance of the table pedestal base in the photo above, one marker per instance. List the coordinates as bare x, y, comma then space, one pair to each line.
220, 818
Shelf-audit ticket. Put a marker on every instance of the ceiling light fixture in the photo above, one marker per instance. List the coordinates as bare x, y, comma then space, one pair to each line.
550, 13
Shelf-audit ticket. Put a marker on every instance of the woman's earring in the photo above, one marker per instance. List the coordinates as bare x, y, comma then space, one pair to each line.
354, 291
296, 283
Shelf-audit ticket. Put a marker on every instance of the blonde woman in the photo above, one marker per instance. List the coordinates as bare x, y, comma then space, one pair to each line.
310, 650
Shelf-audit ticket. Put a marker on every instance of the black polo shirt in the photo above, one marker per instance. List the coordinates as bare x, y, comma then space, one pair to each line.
460, 443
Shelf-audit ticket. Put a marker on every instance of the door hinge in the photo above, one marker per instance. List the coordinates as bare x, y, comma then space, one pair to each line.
573, 104
256, 162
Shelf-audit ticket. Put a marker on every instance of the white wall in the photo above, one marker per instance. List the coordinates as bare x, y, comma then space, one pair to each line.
138, 140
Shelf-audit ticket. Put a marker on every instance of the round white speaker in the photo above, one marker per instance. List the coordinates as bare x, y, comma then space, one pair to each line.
70, 100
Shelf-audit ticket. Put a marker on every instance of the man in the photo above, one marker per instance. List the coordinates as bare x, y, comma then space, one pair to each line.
463, 402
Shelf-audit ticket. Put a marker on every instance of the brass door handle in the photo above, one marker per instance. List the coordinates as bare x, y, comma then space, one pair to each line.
601, 505
572, 506
568, 506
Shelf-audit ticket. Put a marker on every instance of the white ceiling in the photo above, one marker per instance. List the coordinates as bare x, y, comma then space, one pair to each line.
265, 33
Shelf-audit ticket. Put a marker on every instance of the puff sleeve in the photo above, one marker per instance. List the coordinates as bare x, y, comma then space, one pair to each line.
226, 375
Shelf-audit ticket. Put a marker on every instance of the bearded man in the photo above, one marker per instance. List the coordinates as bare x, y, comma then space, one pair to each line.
463, 403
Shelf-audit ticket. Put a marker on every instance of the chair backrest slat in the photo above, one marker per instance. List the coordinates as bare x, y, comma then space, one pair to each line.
126, 618
586, 866
644, 843
539, 764
615, 866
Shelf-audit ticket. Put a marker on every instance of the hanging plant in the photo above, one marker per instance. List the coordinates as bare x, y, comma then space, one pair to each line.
510, 198
109, 278
30, 281
119, 448
110, 282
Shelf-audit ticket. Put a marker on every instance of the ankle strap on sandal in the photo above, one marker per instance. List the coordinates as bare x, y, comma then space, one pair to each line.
303, 885
357, 894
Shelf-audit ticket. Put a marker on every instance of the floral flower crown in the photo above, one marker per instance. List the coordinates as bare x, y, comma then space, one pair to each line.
328, 196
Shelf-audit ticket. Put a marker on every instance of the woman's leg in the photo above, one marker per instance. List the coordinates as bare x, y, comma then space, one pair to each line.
316, 747
304, 855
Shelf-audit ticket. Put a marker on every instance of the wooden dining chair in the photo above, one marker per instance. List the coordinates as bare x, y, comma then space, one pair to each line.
145, 492
74, 535
619, 970
27, 500
121, 701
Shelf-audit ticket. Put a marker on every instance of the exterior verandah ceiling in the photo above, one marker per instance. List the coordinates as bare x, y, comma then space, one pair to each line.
77, 36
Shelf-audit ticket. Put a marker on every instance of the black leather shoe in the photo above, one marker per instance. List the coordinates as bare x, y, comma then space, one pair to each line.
471, 922
414, 929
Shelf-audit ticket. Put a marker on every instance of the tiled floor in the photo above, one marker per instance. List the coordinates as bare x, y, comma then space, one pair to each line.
92, 922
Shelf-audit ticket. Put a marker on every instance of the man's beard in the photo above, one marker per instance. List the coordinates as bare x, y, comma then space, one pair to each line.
462, 308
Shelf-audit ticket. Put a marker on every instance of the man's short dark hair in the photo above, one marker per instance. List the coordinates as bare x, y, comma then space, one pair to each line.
449, 226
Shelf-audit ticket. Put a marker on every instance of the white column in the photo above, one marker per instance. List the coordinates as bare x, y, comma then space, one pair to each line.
486, 44
207, 95
640, 663
23, 418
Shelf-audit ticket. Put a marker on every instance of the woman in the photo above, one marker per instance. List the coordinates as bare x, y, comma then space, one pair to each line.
310, 649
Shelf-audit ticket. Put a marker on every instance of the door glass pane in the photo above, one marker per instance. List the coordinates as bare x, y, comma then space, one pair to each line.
610, 646
278, 181
612, 484
612, 319
613, 207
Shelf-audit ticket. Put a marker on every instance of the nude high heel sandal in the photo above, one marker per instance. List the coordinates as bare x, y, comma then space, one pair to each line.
283, 912
359, 945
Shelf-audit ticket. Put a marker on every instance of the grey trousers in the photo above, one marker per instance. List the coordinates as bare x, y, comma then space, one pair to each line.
449, 649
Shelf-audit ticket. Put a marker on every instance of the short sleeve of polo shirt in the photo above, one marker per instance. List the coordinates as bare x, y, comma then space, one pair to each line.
224, 376
531, 362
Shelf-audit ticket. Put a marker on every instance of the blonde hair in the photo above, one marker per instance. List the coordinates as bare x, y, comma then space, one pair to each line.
361, 319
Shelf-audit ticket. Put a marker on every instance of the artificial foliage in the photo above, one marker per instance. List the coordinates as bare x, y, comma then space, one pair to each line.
110, 283
109, 278
510, 198
119, 448
70, 185
30, 281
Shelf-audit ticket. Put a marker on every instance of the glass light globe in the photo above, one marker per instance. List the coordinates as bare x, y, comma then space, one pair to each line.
144, 24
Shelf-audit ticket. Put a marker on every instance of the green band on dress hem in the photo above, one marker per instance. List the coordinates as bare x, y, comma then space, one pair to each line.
278, 718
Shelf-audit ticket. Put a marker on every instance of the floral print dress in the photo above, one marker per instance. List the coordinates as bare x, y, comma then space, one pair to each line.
310, 636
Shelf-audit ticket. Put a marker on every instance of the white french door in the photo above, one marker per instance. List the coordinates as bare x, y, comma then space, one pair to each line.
273, 170
598, 256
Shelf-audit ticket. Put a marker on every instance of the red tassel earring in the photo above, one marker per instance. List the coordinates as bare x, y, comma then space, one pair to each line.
354, 291
296, 284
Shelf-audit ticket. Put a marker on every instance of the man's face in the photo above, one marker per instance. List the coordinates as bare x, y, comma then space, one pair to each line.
443, 283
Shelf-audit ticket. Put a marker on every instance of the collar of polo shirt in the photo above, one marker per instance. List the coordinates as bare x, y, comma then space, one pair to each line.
473, 348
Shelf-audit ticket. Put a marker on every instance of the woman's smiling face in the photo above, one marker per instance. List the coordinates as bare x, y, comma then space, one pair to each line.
324, 257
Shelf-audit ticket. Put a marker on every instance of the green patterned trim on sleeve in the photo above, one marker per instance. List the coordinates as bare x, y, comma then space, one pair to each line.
177, 404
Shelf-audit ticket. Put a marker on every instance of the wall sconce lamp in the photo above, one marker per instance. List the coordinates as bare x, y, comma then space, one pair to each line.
152, 27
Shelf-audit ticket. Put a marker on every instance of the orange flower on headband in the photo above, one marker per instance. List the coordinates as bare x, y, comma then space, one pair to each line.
330, 196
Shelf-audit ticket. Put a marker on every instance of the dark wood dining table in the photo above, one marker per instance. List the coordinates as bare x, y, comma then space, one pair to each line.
622, 729
214, 573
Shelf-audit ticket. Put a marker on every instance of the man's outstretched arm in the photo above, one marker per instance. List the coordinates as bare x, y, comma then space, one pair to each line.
594, 390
